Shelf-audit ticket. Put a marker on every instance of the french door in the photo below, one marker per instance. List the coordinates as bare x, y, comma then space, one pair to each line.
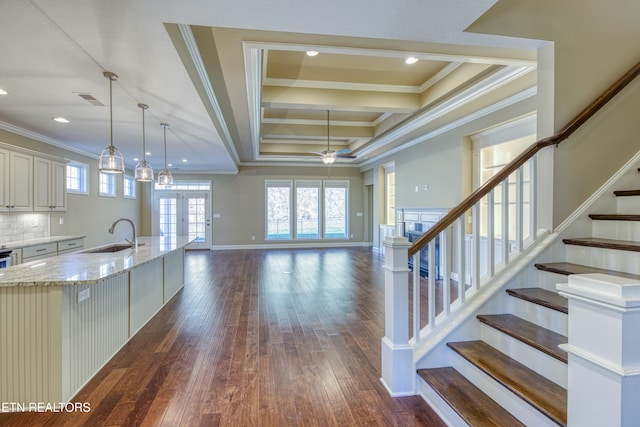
184, 213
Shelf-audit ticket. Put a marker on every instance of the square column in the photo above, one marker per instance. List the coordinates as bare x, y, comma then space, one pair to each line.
604, 350
398, 369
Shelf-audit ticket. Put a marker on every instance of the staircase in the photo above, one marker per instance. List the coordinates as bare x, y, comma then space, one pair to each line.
514, 373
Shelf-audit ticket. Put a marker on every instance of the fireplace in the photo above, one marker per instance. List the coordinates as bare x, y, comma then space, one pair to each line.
415, 222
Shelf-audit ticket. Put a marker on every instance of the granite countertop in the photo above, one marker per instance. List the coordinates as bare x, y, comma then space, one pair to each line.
88, 268
19, 244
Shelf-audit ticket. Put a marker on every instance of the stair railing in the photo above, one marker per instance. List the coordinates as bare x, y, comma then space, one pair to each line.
510, 195
490, 247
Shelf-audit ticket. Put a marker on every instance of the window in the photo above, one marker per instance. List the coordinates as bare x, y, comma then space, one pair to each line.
185, 185
77, 178
336, 196
320, 209
278, 209
129, 190
107, 185
308, 209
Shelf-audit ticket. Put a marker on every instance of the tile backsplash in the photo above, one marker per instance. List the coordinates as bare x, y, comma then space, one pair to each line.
23, 226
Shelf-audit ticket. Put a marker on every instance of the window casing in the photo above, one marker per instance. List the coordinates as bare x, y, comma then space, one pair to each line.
278, 209
128, 187
320, 209
77, 182
336, 209
390, 194
308, 205
107, 184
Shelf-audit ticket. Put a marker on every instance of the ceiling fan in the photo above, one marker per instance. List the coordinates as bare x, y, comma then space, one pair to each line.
329, 156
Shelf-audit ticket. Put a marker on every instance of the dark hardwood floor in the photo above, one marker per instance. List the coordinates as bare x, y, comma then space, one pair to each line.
256, 338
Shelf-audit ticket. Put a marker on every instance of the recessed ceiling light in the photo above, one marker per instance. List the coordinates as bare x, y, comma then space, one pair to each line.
147, 153
411, 60
3, 92
135, 159
312, 52
60, 120
170, 164
184, 160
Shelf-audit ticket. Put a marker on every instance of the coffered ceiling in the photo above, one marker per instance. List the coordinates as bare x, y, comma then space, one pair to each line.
235, 83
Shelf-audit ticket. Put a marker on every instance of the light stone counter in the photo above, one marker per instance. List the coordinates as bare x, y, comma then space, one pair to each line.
19, 244
82, 268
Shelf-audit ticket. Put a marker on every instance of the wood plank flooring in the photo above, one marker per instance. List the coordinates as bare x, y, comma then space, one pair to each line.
256, 338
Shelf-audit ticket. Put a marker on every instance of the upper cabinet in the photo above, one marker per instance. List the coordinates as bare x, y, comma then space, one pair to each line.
16, 181
50, 190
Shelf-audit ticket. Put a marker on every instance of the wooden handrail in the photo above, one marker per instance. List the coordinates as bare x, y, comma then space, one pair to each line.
556, 139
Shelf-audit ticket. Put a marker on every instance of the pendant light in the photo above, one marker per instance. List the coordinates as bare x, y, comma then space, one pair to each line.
164, 177
111, 160
144, 171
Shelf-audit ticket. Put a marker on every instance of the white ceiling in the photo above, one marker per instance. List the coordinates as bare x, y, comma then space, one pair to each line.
53, 50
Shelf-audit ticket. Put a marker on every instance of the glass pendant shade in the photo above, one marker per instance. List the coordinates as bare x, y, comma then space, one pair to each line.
111, 159
143, 171
164, 176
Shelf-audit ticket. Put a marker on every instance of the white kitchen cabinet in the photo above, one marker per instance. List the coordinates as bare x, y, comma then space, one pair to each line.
16, 186
32, 253
70, 246
50, 189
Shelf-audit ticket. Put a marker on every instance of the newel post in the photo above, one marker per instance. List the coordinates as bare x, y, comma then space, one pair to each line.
604, 350
398, 371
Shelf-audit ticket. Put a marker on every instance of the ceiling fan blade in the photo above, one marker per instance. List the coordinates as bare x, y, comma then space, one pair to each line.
343, 151
346, 156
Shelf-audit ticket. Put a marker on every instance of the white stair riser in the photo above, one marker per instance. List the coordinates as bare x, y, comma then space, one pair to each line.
610, 259
543, 364
628, 204
541, 316
522, 410
619, 230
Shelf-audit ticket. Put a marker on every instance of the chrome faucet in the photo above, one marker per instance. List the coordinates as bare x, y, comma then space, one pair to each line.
133, 226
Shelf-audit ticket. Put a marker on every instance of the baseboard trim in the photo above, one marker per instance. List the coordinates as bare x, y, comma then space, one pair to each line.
313, 245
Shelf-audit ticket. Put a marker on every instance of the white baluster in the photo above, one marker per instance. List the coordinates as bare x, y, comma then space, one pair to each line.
491, 239
505, 221
462, 259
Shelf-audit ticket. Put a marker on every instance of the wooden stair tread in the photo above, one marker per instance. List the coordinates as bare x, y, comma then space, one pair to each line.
596, 242
623, 193
615, 217
542, 297
567, 268
529, 333
541, 393
468, 401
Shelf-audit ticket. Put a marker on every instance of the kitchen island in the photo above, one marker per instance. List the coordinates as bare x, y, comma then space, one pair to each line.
62, 318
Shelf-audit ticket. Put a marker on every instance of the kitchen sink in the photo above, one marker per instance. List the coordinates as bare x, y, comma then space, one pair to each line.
111, 248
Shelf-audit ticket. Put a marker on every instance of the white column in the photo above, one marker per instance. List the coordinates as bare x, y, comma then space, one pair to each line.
604, 350
398, 370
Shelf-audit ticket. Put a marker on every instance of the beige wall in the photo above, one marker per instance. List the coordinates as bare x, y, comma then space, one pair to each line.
89, 215
444, 163
240, 201
595, 42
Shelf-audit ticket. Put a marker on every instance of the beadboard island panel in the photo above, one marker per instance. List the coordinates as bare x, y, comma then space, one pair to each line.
64, 317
